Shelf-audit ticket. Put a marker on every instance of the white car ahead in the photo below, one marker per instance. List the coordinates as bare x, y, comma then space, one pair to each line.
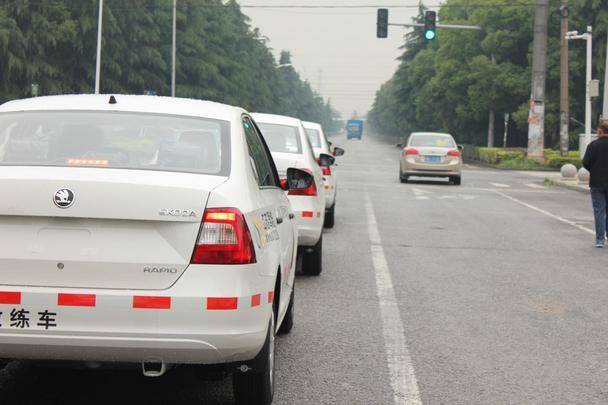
290, 147
320, 144
144, 230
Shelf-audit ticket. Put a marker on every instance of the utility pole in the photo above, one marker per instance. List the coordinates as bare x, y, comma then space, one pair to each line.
605, 110
99, 33
173, 50
564, 115
536, 117
491, 120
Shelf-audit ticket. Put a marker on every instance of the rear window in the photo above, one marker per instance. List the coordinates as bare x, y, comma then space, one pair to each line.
436, 141
315, 137
281, 138
115, 140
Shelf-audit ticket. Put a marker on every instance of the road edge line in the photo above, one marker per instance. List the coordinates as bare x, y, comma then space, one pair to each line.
401, 368
547, 213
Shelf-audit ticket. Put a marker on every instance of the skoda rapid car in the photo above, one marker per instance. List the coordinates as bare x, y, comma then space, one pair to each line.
290, 147
320, 144
144, 230
430, 154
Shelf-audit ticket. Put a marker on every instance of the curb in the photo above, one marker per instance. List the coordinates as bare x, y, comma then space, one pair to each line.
564, 184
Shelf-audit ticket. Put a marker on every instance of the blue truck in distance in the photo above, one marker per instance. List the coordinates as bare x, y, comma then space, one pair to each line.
354, 129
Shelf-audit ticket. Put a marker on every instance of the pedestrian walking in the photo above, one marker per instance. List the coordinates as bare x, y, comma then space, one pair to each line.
596, 162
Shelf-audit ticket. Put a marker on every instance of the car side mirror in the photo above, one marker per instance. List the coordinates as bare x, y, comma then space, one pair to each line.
297, 179
338, 151
460, 147
326, 160
400, 145
330, 143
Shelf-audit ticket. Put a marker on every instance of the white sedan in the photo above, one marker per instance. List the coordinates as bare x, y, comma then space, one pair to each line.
144, 230
290, 147
320, 144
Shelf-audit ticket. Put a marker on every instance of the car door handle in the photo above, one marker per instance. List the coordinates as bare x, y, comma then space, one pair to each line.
291, 215
279, 220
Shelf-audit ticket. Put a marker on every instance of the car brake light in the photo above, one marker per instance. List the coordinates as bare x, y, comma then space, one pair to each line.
326, 170
455, 153
410, 151
224, 238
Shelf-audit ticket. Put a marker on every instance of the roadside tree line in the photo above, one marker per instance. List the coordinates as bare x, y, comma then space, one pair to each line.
451, 84
220, 56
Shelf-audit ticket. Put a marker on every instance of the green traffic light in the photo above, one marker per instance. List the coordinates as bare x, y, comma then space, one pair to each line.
429, 34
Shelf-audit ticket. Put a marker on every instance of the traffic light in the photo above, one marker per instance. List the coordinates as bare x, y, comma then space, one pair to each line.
382, 23
430, 23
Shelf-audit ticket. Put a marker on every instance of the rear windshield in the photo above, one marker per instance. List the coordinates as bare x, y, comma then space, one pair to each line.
115, 140
437, 141
281, 138
315, 137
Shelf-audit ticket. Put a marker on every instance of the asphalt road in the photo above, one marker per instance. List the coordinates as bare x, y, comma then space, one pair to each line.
490, 292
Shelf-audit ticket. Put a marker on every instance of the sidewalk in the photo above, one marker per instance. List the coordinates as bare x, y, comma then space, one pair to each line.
556, 179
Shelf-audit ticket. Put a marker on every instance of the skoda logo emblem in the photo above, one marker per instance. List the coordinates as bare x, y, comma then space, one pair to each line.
64, 198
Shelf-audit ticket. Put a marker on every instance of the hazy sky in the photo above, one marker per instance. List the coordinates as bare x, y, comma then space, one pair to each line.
336, 50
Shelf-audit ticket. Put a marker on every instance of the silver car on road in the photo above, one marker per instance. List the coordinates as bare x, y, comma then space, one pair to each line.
431, 154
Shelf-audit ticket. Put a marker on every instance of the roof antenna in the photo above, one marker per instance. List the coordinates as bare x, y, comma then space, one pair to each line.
113, 100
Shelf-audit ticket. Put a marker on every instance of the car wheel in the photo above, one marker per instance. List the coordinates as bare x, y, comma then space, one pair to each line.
456, 180
312, 263
256, 387
330, 215
287, 323
402, 178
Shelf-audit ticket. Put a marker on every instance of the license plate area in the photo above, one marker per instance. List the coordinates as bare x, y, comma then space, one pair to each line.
432, 159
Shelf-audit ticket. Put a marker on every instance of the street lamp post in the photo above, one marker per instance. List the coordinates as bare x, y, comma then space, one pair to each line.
588, 36
99, 32
173, 51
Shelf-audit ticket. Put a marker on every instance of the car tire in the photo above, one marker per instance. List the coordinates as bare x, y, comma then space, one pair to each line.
287, 323
256, 387
402, 178
456, 180
330, 215
312, 261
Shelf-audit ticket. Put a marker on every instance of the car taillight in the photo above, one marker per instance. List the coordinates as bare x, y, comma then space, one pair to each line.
224, 239
455, 153
410, 151
326, 170
309, 191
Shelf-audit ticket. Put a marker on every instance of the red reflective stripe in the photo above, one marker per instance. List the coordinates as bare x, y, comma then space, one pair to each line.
307, 214
216, 303
76, 300
327, 187
270, 296
10, 297
255, 300
151, 302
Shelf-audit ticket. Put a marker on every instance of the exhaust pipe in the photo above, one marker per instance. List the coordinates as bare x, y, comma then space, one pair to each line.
153, 367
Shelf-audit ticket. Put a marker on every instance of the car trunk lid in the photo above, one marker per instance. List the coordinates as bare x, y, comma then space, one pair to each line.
124, 229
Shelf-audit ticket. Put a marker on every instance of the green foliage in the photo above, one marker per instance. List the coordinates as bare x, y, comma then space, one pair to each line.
452, 83
220, 57
515, 158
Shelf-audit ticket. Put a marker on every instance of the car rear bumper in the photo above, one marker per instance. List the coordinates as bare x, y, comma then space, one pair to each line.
330, 192
310, 214
452, 168
209, 316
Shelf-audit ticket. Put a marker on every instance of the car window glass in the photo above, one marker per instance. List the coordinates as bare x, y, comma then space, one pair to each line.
314, 136
437, 141
257, 153
115, 140
281, 138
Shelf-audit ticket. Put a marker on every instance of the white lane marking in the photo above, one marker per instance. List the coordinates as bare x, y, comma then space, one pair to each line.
418, 191
403, 377
500, 185
537, 186
448, 197
421, 197
547, 213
